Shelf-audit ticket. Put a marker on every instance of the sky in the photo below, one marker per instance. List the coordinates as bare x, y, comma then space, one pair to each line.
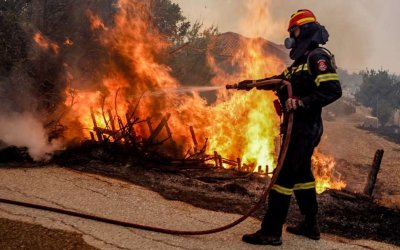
363, 33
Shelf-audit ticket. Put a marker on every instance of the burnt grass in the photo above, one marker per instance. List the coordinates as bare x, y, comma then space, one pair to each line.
341, 213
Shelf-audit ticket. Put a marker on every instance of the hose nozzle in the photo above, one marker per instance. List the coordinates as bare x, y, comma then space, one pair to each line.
232, 86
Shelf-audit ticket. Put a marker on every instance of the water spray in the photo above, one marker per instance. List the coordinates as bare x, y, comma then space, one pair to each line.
183, 90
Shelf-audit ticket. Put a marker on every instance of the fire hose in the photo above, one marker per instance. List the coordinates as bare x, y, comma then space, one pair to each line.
266, 84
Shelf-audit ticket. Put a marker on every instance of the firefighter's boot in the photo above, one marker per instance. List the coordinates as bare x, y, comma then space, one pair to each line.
261, 238
309, 228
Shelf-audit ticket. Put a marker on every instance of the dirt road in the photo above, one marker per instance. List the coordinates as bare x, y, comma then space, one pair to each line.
23, 228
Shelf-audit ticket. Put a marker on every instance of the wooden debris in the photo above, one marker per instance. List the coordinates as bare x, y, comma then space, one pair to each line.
220, 161
148, 121
126, 134
158, 129
112, 123
173, 143
95, 127
131, 128
92, 136
216, 159
196, 145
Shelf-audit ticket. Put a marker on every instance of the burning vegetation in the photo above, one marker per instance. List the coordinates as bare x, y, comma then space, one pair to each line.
120, 84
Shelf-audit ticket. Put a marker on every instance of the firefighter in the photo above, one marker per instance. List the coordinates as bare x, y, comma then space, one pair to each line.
315, 84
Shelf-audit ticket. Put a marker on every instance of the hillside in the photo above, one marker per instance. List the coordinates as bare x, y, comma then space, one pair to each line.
231, 43
357, 147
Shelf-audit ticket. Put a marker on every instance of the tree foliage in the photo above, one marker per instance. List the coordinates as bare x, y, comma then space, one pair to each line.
169, 20
380, 91
191, 43
12, 37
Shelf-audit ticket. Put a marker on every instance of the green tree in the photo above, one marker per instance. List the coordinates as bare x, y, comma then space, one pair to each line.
169, 20
189, 62
190, 43
379, 91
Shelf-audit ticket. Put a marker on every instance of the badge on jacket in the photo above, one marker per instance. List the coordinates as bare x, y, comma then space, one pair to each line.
322, 65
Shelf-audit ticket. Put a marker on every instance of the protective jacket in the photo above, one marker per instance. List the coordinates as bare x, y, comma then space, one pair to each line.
315, 82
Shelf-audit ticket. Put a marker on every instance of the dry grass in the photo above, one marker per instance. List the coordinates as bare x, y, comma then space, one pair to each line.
343, 140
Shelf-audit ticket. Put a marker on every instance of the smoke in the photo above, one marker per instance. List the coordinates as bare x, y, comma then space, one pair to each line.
32, 88
348, 23
261, 17
25, 130
363, 33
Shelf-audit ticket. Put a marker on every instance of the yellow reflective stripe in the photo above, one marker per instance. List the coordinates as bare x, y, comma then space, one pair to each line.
282, 190
286, 72
326, 77
307, 19
302, 67
303, 186
296, 14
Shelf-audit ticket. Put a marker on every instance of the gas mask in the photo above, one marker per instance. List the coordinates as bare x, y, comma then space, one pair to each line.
311, 35
290, 43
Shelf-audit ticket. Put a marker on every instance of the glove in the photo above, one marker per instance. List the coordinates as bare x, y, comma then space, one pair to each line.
293, 103
243, 85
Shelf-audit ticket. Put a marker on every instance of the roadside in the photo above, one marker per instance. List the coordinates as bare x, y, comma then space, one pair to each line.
90, 193
344, 141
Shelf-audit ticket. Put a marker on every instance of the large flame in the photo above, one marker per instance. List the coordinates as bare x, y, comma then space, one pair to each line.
239, 125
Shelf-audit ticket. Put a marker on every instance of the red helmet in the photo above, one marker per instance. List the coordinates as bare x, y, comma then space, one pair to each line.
301, 17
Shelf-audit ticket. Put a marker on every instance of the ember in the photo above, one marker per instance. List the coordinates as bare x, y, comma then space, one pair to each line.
45, 43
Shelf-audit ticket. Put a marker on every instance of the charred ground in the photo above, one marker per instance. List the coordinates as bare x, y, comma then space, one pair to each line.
343, 213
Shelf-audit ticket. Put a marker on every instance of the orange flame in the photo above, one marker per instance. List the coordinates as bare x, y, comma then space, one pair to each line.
68, 42
326, 177
95, 21
240, 124
45, 43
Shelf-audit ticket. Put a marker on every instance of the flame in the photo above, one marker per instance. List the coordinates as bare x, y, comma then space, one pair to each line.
239, 124
258, 21
95, 21
68, 42
45, 43
246, 123
326, 177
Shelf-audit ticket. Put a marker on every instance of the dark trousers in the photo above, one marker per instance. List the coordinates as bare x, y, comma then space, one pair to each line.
295, 177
